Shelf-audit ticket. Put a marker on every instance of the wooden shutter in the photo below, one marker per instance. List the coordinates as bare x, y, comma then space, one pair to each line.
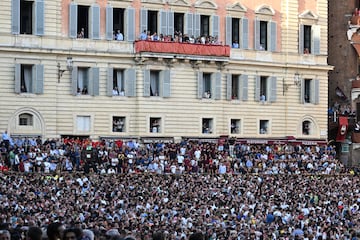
146, 83
15, 17
109, 22
39, 17
170, 23
302, 91
130, 24
228, 86
74, 80
215, 26
94, 78
200, 84
39, 80
143, 19
218, 85
130, 82
109, 82
316, 91
257, 34
189, 24
273, 36
257, 88
273, 89
163, 22
301, 39
245, 33
95, 22
166, 88
315, 32
244, 87
228, 35
196, 25
73, 13
17, 78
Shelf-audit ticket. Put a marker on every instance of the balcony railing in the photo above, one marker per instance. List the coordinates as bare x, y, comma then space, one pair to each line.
182, 48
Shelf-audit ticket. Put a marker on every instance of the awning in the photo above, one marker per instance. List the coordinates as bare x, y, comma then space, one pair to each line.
342, 129
157, 139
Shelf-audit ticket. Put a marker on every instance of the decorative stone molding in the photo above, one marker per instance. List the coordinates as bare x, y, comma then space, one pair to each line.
236, 7
308, 14
178, 2
205, 4
155, 1
265, 10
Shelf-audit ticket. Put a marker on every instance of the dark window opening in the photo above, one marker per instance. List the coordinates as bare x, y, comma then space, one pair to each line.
235, 126
207, 125
235, 34
263, 88
118, 124
263, 35
204, 25
152, 21
307, 39
83, 21
207, 85
235, 87
179, 22
155, 125
118, 20
264, 125
307, 90
25, 119
306, 128
26, 17
26, 78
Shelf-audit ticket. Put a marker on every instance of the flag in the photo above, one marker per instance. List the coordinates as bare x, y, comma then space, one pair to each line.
340, 94
342, 129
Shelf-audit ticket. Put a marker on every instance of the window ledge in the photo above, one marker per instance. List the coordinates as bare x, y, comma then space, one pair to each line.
119, 97
27, 95
83, 96
207, 100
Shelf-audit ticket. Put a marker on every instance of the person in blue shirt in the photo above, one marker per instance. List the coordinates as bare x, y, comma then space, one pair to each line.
235, 44
143, 35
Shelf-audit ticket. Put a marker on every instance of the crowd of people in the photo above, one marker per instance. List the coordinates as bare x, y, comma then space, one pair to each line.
126, 189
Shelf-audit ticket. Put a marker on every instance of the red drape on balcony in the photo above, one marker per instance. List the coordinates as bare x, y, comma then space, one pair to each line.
182, 48
342, 130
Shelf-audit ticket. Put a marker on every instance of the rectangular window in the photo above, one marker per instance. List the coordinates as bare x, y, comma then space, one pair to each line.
264, 127
83, 123
27, 80
235, 126
207, 85
83, 81
307, 39
26, 17
118, 22
235, 87
119, 124
263, 88
235, 32
157, 83
152, 22
118, 83
154, 83
204, 25
155, 125
263, 35
310, 91
207, 125
179, 22
25, 119
83, 21
307, 90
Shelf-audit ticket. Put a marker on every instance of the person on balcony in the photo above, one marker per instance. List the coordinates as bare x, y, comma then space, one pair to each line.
235, 44
119, 36
154, 37
143, 35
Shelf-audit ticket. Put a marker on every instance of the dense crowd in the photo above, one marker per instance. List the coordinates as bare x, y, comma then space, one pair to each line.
224, 190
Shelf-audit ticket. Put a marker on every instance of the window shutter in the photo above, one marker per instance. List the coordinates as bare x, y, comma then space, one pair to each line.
218, 85
245, 33
315, 32
165, 76
215, 26
196, 25
301, 39
228, 37
244, 87
257, 88
272, 97
15, 17
163, 22
73, 13
95, 22
200, 84
316, 91
17, 78
273, 36
94, 78
39, 17
39, 71
143, 19
109, 22
130, 24
170, 23
257, 34
146, 83
74, 80
228, 86
302, 91
130, 82
109, 84
189, 24
33, 79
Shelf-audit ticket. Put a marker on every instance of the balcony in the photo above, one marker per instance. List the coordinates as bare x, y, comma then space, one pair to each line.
182, 50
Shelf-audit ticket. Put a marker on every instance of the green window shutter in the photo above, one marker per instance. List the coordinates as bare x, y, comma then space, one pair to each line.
15, 16
301, 39
257, 88
218, 85
228, 86
245, 33
130, 24
143, 19
170, 23
95, 22
215, 26
94, 78
74, 80
39, 71
165, 76
146, 83
273, 90
17, 78
316, 91
130, 82
244, 87
73, 13
257, 34
39, 17
315, 32
109, 22
273, 36
189, 24
109, 83
200, 84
